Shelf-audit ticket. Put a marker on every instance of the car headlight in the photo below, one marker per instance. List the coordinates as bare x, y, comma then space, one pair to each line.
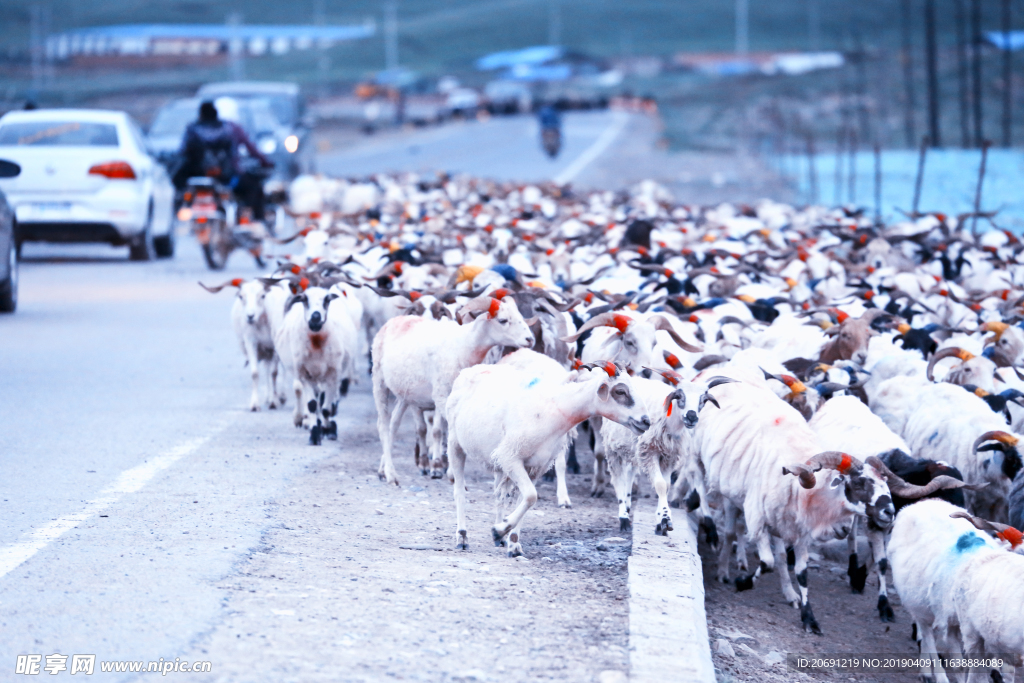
268, 145
291, 143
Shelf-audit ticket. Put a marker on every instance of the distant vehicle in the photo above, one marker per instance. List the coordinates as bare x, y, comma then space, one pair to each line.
463, 102
289, 146
254, 115
8, 245
86, 176
508, 97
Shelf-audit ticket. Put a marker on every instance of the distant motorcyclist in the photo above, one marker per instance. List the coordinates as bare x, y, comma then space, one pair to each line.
550, 120
210, 148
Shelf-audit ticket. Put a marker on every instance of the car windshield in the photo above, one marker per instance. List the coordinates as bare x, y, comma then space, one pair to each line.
67, 133
262, 115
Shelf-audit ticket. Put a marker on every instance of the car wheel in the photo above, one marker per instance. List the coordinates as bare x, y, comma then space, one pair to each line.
141, 247
9, 288
164, 245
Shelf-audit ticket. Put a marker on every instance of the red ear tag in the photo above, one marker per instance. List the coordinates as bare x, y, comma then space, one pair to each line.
549, 252
413, 296
621, 322
303, 283
668, 413
589, 298
499, 293
671, 359
398, 267
295, 270
237, 282
845, 464
610, 368
492, 310
577, 364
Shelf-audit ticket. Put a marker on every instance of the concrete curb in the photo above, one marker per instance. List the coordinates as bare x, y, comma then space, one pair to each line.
668, 629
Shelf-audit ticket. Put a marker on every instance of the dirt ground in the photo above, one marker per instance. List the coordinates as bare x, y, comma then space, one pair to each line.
366, 576
760, 621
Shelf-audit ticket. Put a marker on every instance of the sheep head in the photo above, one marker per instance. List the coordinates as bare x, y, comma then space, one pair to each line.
1006, 443
865, 488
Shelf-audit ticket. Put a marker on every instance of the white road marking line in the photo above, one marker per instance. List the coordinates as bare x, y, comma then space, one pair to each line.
602, 143
130, 481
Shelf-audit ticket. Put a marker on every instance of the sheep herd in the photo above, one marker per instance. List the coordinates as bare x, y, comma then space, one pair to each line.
783, 376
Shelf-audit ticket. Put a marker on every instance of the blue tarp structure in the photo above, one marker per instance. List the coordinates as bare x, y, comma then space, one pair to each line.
529, 56
997, 38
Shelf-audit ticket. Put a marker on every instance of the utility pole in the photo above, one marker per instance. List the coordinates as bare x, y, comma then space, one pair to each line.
933, 76
391, 34
742, 27
554, 23
814, 25
236, 48
963, 72
976, 39
907, 58
1007, 82
323, 58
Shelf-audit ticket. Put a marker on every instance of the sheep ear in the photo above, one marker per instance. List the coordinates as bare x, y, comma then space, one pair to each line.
294, 299
603, 391
331, 296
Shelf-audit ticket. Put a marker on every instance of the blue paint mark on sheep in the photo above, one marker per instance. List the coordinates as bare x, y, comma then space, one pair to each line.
533, 382
932, 437
969, 541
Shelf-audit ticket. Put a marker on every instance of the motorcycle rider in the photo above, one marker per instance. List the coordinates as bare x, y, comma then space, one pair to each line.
550, 120
210, 148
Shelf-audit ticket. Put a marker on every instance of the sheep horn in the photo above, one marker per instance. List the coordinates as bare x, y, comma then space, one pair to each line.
829, 460
673, 377
708, 361
660, 322
706, 397
237, 282
904, 489
1002, 437
805, 475
1004, 531
474, 307
993, 326
610, 319
948, 352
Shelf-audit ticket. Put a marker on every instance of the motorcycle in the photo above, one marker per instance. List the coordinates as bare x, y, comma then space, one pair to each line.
551, 140
219, 224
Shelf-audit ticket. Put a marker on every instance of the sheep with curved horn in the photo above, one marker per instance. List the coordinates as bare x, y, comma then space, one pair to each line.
749, 473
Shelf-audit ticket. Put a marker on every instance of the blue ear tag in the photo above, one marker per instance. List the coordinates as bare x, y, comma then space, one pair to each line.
987, 353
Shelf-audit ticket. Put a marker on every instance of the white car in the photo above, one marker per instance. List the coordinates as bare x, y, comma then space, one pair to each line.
86, 176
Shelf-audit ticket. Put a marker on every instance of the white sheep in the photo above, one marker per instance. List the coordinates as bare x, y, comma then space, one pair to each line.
746, 447
516, 416
318, 348
252, 327
416, 360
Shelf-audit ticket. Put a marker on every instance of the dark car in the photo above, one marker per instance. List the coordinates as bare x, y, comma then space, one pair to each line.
289, 146
8, 245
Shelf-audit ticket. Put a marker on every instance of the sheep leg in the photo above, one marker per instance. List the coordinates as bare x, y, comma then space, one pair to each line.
730, 513
876, 541
784, 569
806, 615
422, 459
622, 481
928, 649
457, 471
252, 359
663, 513
561, 490
571, 462
274, 399
437, 437
597, 488
858, 574
388, 418
515, 471
765, 566
297, 414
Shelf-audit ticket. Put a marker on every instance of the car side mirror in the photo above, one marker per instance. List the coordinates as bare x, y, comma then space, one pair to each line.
9, 169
